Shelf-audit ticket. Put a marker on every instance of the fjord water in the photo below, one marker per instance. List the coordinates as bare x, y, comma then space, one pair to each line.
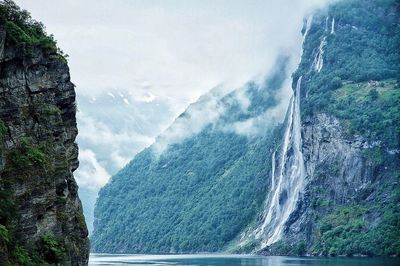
235, 260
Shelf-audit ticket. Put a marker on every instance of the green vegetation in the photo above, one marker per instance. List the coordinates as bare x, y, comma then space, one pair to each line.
24, 158
199, 194
29, 160
61, 200
49, 250
245, 248
3, 131
23, 31
203, 192
52, 249
7, 208
364, 48
80, 218
346, 232
290, 249
370, 110
359, 85
4, 235
52, 110
27, 157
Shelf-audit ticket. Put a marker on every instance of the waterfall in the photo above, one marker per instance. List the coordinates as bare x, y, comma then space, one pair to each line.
273, 170
287, 173
326, 23
319, 57
308, 26
288, 181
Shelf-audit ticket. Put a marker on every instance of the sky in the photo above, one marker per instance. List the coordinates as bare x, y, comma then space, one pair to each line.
138, 64
177, 49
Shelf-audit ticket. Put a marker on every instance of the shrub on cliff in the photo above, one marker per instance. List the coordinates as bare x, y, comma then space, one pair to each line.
22, 30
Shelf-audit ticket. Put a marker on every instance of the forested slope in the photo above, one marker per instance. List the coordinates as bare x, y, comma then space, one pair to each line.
198, 194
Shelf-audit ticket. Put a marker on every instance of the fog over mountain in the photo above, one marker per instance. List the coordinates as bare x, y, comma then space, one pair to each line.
138, 64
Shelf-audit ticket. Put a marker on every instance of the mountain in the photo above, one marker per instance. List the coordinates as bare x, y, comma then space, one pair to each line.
349, 97
130, 121
113, 127
41, 220
201, 182
234, 173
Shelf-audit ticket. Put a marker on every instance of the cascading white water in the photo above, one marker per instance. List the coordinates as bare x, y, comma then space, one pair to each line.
287, 177
288, 181
273, 170
274, 191
326, 24
319, 57
308, 26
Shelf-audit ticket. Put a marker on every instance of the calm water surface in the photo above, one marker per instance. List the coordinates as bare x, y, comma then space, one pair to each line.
234, 260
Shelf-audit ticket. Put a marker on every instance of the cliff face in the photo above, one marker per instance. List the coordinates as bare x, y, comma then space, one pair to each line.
41, 214
350, 203
350, 118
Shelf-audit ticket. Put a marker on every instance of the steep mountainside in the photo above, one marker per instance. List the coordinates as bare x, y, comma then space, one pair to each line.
326, 182
350, 124
200, 191
41, 220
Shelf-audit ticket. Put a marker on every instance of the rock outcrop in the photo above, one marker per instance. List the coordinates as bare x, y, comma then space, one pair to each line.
38, 154
350, 135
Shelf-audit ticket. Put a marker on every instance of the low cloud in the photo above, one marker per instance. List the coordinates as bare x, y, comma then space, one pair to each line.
174, 49
90, 174
204, 112
276, 114
163, 52
98, 133
119, 160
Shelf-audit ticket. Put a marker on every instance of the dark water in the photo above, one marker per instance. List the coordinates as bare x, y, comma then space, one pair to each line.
235, 260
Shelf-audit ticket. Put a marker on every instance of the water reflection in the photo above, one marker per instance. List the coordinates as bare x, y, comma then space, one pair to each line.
235, 260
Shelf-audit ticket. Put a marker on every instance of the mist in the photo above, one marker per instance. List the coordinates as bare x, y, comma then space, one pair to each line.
162, 56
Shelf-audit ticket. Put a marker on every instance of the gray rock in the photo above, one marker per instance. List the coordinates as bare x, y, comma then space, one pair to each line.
37, 105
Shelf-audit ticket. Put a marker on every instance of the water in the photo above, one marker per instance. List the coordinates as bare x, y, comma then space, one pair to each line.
288, 180
274, 216
235, 260
326, 24
319, 57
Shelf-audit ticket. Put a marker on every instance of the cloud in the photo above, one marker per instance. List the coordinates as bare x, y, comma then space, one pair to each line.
242, 99
175, 49
257, 125
163, 53
204, 112
90, 174
167, 50
98, 133
119, 160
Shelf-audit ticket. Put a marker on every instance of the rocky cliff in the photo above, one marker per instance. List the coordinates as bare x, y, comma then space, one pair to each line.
350, 115
41, 215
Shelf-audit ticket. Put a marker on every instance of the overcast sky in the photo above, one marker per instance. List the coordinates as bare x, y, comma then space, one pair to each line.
169, 48
138, 64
